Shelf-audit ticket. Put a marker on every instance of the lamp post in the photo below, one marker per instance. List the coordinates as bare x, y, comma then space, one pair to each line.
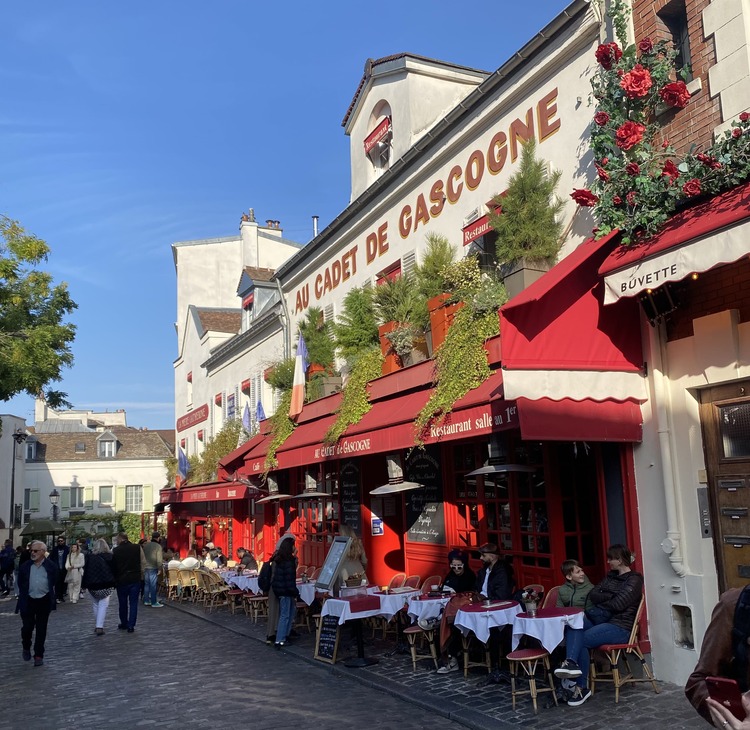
54, 498
18, 438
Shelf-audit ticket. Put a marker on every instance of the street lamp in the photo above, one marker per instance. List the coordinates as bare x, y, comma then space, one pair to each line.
54, 498
18, 438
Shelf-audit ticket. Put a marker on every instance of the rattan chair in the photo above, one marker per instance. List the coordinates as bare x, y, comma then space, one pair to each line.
530, 660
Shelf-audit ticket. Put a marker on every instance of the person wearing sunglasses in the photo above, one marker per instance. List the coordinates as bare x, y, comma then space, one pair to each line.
36, 599
460, 577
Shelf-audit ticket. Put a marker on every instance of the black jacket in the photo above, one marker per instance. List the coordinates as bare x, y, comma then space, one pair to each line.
620, 595
24, 573
284, 581
461, 583
126, 563
500, 585
97, 574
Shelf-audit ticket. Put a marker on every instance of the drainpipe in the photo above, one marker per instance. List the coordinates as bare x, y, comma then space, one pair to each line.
285, 322
672, 543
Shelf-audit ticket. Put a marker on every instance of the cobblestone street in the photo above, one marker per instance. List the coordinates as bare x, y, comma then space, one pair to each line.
184, 667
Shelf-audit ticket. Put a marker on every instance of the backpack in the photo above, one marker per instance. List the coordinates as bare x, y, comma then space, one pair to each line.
740, 638
264, 577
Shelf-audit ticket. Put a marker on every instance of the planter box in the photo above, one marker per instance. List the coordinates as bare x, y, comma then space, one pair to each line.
314, 369
522, 275
391, 361
441, 318
419, 353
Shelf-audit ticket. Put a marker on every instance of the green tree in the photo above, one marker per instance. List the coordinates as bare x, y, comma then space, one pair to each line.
34, 340
356, 330
203, 467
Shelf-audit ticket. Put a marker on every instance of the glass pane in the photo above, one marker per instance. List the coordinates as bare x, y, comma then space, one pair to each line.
734, 425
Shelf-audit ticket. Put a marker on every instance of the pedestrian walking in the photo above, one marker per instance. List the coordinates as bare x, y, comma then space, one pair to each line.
74, 567
7, 563
37, 579
128, 565
58, 555
99, 581
154, 554
284, 584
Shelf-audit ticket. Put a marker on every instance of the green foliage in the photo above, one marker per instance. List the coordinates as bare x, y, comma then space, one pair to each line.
204, 466
34, 341
130, 523
528, 226
429, 277
110, 521
355, 403
281, 428
170, 464
318, 338
281, 375
356, 330
402, 339
395, 300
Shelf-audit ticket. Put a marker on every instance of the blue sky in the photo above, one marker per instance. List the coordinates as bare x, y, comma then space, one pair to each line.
127, 126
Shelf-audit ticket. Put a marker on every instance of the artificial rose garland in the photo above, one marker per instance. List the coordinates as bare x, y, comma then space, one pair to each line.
636, 83
692, 187
629, 134
584, 198
675, 94
601, 118
608, 54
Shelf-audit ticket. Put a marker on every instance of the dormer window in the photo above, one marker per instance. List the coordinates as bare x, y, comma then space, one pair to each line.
106, 446
378, 144
247, 310
80, 447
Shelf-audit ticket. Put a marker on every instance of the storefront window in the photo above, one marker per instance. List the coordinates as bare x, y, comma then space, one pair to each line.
318, 517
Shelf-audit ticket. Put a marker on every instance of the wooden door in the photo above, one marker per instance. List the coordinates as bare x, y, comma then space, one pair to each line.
725, 418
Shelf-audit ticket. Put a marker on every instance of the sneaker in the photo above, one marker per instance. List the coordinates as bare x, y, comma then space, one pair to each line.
130, 631
451, 666
26, 655
580, 695
38, 661
157, 605
568, 670
99, 632
279, 644
122, 627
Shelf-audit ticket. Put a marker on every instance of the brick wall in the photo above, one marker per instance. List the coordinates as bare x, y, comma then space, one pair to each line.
725, 287
695, 123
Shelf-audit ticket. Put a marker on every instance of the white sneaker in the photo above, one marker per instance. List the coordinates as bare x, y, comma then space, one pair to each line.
579, 696
451, 666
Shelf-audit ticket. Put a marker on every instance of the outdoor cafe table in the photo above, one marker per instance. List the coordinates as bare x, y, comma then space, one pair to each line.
480, 617
426, 607
390, 604
250, 583
548, 625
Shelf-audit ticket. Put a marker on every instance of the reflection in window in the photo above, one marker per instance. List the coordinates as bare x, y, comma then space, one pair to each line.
734, 426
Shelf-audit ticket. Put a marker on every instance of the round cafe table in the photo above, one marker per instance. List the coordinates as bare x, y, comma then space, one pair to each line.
243, 582
481, 617
548, 626
424, 607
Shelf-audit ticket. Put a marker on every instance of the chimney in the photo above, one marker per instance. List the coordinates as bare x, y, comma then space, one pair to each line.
315, 226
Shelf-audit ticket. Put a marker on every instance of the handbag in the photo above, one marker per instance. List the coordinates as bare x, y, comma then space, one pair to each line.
598, 615
69, 576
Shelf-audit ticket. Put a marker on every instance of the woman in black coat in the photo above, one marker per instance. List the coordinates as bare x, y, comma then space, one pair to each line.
99, 580
284, 585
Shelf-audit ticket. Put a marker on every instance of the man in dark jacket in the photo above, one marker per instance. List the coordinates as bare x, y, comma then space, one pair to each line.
493, 580
58, 555
128, 565
7, 563
36, 599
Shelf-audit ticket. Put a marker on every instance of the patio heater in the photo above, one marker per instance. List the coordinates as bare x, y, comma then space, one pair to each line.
18, 438
54, 498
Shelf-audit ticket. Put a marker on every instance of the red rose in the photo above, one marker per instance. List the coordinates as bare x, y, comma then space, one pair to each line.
602, 173
601, 118
630, 197
692, 187
605, 160
584, 198
632, 168
629, 134
608, 54
665, 144
646, 46
617, 200
670, 170
744, 116
736, 132
675, 94
637, 83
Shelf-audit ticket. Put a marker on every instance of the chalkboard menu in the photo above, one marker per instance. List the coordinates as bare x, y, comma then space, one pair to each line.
425, 516
330, 569
327, 639
351, 496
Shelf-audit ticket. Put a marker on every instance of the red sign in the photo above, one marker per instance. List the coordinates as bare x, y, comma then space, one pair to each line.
476, 229
377, 134
209, 494
197, 416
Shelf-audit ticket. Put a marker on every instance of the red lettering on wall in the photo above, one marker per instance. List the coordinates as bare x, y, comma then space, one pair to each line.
545, 111
454, 192
371, 242
474, 169
404, 222
437, 197
422, 215
522, 131
497, 153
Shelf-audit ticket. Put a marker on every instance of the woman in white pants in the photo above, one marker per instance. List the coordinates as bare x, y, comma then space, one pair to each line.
99, 580
74, 565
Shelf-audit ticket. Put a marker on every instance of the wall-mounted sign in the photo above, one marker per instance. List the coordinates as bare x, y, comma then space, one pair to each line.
196, 416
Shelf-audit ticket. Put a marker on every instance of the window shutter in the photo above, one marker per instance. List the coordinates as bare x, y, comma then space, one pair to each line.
31, 500
88, 498
328, 313
65, 499
408, 261
120, 498
147, 498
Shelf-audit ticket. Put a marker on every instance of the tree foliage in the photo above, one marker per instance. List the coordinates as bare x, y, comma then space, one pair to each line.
356, 329
204, 466
318, 338
34, 340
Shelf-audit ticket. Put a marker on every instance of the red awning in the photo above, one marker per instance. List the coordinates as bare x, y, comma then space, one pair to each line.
558, 341
245, 386
377, 134
693, 241
210, 493
248, 300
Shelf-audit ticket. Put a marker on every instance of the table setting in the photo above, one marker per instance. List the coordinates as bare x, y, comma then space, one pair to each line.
547, 625
485, 615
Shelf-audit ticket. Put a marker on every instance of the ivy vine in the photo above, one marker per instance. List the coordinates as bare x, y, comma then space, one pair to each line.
355, 403
281, 429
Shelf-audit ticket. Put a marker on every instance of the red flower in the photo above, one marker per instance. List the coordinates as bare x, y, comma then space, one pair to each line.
632, 168
602, 173
584, 198
665, 144
692, 187
617, 200
646, 46
736, 132
630, 197
601, 118
605, 160
744, 116
670, 170
708, 161
608, 54
637, 83
629, 134
675, 94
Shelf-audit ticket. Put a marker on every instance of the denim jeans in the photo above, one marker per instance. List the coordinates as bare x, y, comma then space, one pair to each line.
287, 611
127, 596
149, 589
579, 641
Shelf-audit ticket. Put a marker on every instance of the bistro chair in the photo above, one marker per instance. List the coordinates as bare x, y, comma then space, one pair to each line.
187, 585
615, 652
550, 598
301, 570
397, 581
412, 581
414, 632
314, 573
173, 584
537, 587
217, 590
429, 581
256, 606
302, 617
530, 660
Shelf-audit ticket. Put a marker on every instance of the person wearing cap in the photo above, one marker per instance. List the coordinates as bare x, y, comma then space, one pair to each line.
154, 555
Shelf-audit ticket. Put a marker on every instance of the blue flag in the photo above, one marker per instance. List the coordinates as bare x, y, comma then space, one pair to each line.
260, 414
246, 418
183, 466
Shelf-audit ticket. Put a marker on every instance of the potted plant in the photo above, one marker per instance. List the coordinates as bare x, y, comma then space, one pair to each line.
356, 329
322, 379
527, 223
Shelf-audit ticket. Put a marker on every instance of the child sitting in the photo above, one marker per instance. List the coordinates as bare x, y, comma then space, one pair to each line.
577, 586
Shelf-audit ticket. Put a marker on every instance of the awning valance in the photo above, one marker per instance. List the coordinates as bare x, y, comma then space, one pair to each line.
209, 493
693, 241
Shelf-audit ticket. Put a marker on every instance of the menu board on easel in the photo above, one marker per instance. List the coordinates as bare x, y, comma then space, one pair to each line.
350, 489
425, 516
327, 639
329, 571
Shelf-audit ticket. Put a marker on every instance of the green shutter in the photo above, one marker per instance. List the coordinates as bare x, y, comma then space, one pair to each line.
148, 498
88, 498
65, 499
120, 498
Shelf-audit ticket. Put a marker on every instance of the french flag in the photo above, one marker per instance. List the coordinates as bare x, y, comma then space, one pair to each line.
298, 384
183, 467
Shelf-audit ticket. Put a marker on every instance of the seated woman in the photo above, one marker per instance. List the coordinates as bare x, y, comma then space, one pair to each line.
355, 562
460, 579
615, 601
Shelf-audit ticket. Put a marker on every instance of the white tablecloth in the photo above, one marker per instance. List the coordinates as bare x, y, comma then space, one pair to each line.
480, 619
243, 582
389, 605
548, 625
427, 608
306, 592
392, 603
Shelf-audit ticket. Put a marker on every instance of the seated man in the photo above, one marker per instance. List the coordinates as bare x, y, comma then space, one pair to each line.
247, 559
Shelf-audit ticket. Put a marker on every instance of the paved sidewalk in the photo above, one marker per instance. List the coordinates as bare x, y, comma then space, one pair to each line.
462, 700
